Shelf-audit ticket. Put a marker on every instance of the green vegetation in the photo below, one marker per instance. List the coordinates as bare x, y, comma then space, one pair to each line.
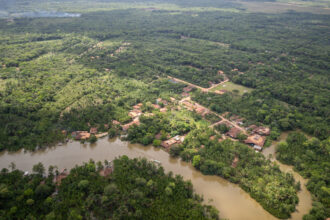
57, 74
274, 190
136, 189
74, 73
311, 158
254, 173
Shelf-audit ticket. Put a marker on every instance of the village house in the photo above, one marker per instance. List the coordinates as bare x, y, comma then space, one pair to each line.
148, 114
233, 132
256, 141
220, 72
58, 178
155, 106
184, 94
138, 106
135, 113
262, 130
93, 130
115, 122
174, 140
80, 135
106, 171
101, 135
168, 143
136, 121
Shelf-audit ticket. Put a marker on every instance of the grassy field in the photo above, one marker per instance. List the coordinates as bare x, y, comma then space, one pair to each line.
229, 86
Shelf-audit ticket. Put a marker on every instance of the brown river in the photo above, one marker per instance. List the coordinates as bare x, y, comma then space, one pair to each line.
232, 202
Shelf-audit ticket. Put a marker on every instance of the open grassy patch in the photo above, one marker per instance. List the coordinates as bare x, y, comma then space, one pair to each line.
232, 87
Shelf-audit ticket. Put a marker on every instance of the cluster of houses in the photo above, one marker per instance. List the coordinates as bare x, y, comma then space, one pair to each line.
256, 134
201, 110
255, 139
84, 135
159, 102
136, 112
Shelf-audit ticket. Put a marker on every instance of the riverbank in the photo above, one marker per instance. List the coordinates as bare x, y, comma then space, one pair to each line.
305, 197
225, 196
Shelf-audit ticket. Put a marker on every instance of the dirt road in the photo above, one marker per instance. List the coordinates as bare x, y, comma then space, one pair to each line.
196, 86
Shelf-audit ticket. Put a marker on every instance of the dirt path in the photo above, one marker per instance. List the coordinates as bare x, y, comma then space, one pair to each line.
215, 85
215, 124
226, 120
196, 86
223, 119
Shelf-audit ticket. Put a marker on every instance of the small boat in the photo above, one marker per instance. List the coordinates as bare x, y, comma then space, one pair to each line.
156, 161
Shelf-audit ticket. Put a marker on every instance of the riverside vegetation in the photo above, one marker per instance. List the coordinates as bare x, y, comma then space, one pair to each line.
80, 72
136, 189
311, 158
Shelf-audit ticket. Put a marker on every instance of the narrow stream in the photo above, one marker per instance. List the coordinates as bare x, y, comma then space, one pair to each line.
232, 202
305, 198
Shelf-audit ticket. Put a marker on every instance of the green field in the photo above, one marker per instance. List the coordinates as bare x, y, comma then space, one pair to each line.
229, 86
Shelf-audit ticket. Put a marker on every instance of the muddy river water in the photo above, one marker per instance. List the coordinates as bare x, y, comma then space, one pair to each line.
232, 202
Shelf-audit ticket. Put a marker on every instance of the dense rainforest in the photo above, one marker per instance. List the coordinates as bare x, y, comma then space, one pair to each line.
76, 71
136, 189
53, 65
